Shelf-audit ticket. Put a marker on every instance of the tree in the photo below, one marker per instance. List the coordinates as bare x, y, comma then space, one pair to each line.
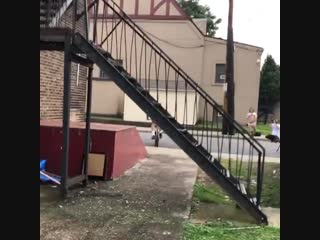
269, 84
195, 10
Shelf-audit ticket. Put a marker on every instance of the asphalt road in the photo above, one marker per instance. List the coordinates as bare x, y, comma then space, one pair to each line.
271, 148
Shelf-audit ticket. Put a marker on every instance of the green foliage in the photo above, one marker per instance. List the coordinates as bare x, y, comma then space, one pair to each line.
195, 10
269, 83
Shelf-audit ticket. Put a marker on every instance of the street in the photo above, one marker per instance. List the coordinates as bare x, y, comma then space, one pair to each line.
166, 142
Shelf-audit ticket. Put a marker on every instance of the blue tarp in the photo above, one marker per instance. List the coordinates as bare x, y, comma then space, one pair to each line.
43, 168
43, 165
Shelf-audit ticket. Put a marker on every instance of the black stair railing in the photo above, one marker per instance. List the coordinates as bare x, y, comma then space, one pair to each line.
61, 13
51, 12
137, 56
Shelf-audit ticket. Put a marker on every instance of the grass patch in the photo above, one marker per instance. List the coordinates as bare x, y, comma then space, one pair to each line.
271, 186
227, 231
271, 182
236, 170
101, 117
209, 194
209, 125
264, 129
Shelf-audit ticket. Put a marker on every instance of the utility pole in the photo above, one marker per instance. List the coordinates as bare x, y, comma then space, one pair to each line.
227, 126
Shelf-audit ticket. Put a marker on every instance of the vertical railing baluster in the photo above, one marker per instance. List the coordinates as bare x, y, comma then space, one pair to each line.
136, 55
131, 50
149, 74
121, 36
176, 78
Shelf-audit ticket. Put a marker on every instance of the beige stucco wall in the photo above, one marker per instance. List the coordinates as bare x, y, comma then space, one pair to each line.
201, 24
107, 98
246, 75
133, 113
247, 81
214, 53
189, 58
179, 39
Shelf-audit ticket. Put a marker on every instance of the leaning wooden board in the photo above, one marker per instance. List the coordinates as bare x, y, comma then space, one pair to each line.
96, 164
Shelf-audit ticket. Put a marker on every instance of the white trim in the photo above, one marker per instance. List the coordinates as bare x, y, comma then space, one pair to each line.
78, 70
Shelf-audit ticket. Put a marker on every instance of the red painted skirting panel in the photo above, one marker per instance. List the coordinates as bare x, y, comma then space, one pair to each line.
121, 144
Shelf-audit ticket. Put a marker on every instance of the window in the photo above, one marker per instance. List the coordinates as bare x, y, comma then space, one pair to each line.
105, 75
220, 73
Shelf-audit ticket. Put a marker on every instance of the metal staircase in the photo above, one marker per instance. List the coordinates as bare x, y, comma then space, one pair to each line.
188, 115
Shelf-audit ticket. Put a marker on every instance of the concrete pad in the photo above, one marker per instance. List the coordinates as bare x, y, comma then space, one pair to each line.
150, 201
273, 215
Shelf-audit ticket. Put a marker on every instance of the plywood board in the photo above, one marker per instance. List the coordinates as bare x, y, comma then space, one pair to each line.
96, 164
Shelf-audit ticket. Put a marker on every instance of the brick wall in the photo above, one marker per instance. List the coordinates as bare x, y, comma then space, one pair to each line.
51, 78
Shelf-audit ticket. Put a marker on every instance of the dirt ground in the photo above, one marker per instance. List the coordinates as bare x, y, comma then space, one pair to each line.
150, 202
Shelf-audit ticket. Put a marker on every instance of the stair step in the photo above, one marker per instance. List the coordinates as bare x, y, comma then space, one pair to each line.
42, 18
243, 189
44, 13
43, 21
227, 173
118, 65
196, 144
53, 5
233, 180
183, 130
218, 165
204, 152
144, 92
101, 50
157, 104
253, 200
131, 79
191, 138
140, 88
124, 73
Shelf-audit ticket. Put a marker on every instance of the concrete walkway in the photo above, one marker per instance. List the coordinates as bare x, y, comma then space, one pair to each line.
151, 201
273, 215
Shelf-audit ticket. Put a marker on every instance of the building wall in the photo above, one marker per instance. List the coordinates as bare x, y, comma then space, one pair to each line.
184, 112
107, 98
246, 75
247, 81
179, 33
51, 78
